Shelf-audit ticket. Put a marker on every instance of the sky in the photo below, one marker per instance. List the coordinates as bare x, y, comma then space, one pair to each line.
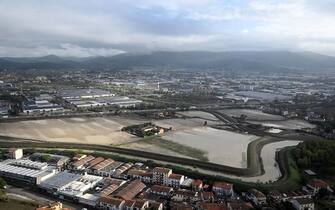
85, 28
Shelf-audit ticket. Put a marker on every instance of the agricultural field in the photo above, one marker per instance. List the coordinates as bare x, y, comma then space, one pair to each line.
94, 130
221, 146
77, 130
268, 120
271, 168
286, 124
198, 114
252, 114
189, 137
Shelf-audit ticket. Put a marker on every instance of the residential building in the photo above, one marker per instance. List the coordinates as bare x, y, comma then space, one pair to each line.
162, 191
303, 204
185, 196
197, 185
207, 197
175, 180
153, 205
315, 185
256, 197
161, 175
140, 205
212, 206
142, 175
110, 203
223, 189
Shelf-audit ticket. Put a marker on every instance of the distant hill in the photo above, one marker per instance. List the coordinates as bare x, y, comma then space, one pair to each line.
262, 61
45, 62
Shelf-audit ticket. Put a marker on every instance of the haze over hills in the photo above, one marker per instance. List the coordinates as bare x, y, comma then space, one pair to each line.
261, 61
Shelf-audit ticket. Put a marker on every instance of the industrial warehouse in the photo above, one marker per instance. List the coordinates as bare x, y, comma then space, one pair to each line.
26, 170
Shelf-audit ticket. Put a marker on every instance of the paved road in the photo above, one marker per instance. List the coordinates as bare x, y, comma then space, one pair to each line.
25, 194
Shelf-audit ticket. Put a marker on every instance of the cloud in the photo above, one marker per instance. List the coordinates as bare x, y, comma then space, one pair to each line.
103, 27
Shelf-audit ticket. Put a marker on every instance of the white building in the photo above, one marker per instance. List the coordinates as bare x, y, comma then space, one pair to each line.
66, 184
15, 153
26, 171
175, 180
85, 93
223, 189
303, 204
256, 196
40, 106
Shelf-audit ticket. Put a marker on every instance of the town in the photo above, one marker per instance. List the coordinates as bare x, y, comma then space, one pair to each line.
103, 183
167, 105
147, 131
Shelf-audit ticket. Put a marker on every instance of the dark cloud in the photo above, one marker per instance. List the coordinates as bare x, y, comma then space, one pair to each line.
90, 27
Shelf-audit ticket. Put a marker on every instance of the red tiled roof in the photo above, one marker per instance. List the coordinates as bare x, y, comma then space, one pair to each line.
196, 182
304, 201
256, 193
180, 206
159, 188
240, 205
129, 203
137, 172
96, 161
213, 206
139, 203
110, 200
109, 190
130, 191
187, 193
161, 170
318, 183
102, 164
223, 185
83, 161
207, 195
175, 176
154, 205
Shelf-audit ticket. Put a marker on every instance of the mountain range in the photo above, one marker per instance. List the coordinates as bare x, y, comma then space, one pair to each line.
269, 61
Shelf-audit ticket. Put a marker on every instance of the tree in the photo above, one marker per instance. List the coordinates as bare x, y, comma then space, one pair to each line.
45, 158
2, 183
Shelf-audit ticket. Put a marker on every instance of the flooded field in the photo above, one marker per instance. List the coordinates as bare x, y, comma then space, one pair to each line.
200, 114
223, 147
252, 114
189, 138
262, 95
268, 120
268, 154
286, 124
77, 130
183, 124
94, 130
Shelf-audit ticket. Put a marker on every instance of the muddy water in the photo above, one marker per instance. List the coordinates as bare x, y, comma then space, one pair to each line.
223, 147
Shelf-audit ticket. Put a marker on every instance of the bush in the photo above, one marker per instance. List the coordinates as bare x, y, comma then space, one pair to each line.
2, 183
